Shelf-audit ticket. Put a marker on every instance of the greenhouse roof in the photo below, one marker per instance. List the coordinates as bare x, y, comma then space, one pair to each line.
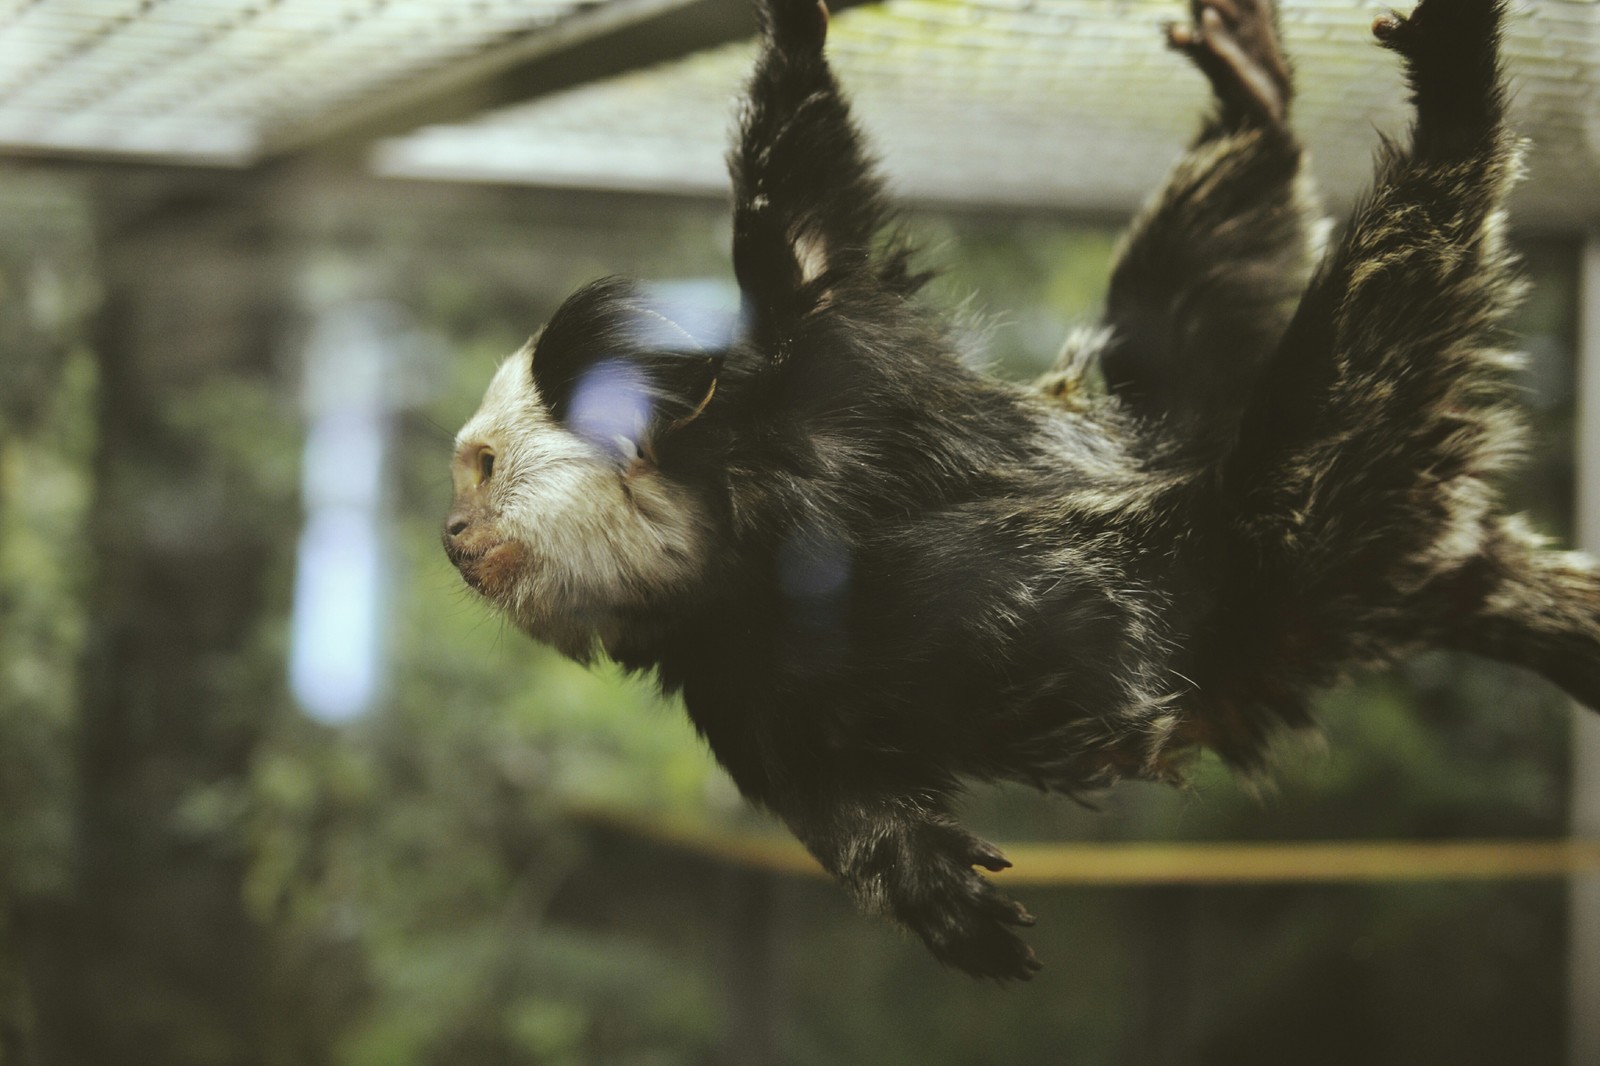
1057, 103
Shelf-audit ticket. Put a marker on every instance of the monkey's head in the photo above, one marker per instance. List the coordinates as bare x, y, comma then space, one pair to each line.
569, 514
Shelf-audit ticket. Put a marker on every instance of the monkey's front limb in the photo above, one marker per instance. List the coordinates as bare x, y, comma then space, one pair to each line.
808, 203
903, 856
878, 823
1362, 476
1207, 277
1389, 370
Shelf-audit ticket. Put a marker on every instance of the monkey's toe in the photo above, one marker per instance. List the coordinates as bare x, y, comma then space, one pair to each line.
975, 934
964, 919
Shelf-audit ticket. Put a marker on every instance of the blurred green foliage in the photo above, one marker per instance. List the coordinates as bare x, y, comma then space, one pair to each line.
47, 387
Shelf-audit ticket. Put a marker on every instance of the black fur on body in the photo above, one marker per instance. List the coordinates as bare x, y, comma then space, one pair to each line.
874, 573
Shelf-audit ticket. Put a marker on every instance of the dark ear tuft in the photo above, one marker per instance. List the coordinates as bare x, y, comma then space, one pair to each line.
621, 364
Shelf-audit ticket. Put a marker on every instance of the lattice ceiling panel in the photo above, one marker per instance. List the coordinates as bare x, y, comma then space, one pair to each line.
1071, 103
209, 80
1057, 102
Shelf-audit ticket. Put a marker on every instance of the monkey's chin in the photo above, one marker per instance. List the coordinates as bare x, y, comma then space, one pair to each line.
500, 575
493, 572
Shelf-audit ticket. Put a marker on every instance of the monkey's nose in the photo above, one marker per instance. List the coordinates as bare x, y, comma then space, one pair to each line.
456, 527
454, 544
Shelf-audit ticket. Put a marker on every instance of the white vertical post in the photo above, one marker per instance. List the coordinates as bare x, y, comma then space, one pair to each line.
1583, 1003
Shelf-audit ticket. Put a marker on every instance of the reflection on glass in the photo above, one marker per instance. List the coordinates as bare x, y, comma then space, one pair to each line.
336, 645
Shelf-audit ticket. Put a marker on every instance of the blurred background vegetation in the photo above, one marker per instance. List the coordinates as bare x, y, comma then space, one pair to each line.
193, 870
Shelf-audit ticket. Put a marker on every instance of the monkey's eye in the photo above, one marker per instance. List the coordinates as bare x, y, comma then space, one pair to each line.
485, 466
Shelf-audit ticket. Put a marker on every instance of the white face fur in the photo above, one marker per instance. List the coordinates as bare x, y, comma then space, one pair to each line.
561, 534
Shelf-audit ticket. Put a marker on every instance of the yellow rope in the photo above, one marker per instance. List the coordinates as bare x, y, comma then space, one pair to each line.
1170, 864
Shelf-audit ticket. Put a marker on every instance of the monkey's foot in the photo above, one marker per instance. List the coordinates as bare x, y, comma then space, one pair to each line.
1235, 45
798, 23
965, 921
1458, 29
1451, 51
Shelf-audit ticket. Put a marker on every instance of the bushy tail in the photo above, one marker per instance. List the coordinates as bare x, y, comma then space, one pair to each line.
1538, 609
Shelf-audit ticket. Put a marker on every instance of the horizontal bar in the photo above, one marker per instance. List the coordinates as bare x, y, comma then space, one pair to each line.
1326, 863
1333, 862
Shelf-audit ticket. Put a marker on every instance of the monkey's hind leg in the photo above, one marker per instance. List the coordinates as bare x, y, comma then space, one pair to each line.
1208, 274
1365, 460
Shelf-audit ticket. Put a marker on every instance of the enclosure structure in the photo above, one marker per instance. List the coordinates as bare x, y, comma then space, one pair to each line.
210, 207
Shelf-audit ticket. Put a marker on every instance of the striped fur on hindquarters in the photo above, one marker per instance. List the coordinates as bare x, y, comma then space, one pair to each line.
873, 573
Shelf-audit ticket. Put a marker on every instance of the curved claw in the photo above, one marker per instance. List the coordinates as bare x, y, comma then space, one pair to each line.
989, 857
1016, 914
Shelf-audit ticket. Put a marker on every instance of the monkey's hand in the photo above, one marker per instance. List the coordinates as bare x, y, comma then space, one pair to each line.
1235, 45
966, 922
796, 25
905, 858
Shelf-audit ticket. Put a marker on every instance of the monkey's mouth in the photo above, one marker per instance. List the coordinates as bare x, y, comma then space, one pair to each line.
490, 570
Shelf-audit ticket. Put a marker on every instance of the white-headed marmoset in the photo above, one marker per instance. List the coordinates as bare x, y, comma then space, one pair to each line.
873, 572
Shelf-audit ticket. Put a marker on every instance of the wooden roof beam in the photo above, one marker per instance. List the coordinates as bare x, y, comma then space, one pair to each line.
596, 42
